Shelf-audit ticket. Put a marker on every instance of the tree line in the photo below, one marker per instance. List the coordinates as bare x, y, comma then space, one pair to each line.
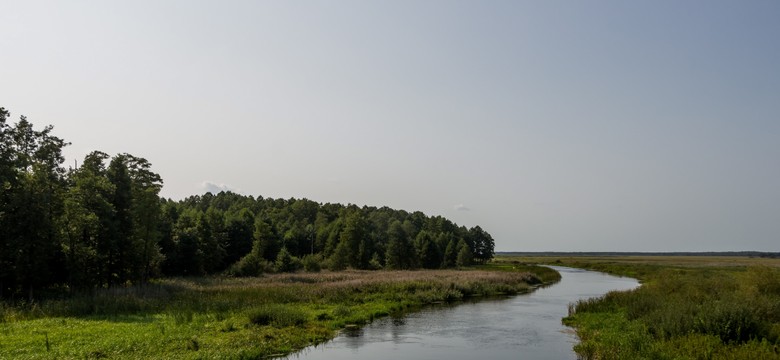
104, 224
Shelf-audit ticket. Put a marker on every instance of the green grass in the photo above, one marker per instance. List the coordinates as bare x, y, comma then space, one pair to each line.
228, 318
687, 308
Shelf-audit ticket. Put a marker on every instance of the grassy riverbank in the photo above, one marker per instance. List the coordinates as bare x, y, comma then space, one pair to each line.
689, 307
228, 318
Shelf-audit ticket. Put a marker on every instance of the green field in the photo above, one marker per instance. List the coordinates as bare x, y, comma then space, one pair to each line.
689, 307
231, 318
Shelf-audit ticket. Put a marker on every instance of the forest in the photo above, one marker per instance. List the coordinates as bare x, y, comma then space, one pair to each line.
103, 224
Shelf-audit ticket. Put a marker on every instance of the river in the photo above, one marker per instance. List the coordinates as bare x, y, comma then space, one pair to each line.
526, 326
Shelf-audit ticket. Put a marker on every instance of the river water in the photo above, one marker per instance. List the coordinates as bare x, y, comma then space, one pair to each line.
526, 326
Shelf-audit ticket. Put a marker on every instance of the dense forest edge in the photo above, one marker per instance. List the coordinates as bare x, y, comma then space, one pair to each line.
103, 224
761, 254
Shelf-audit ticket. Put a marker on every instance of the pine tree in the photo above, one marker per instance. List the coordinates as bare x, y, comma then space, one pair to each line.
87, 213
450, 255
266, 241
34, 195
428, 252
145, 213
464, 254
352, 237
122, 250
400, 253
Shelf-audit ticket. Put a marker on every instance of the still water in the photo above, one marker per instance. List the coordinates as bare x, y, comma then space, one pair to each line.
521, 327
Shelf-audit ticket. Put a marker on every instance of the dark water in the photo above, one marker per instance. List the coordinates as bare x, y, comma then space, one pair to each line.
521, 327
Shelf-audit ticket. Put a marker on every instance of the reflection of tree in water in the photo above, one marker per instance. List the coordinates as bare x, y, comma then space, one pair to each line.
353, 332
353, 337
398, 329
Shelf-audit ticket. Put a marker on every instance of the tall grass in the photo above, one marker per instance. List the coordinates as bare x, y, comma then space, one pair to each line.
684, 312
220, 317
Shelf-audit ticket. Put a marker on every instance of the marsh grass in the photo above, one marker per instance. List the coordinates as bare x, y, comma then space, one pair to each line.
234, 318
684, 310
277, 315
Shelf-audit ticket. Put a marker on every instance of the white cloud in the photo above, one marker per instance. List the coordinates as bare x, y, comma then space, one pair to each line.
214, 188
461, 207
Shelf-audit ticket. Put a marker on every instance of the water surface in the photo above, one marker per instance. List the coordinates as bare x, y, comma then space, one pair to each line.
521, 327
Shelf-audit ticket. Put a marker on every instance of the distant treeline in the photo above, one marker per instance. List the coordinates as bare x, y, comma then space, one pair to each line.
103, 224
705, 253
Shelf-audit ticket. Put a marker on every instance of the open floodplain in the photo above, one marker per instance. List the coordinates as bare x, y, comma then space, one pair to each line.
237, 318
689, 307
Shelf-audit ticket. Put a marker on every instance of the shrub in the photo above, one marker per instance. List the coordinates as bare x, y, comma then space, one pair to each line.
286, 262
250, 265
277, 315
312, 263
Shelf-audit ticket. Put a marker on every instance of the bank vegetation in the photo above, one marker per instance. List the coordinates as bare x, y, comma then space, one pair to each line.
238, 318
692, 307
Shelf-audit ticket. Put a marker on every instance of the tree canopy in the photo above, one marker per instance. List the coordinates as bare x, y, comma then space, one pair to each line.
104, 224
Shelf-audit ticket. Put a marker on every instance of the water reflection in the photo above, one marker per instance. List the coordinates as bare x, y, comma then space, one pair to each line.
524, 326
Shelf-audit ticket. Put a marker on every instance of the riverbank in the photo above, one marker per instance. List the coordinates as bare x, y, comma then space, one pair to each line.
688, 307
526, 326
232, 318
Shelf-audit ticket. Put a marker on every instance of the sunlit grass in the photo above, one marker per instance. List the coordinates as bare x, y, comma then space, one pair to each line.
232, 318
687, 308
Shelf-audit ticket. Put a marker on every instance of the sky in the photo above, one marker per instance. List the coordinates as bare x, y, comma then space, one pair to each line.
554, 125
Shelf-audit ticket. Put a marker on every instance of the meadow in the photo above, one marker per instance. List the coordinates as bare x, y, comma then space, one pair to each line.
237, 318
689, 307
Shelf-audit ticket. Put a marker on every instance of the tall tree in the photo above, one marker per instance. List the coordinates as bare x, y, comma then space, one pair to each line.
35, 195
145, 212
427, 250
464, 254
87, 215
123, 250
400, 252
265, 240
189, 256
213, 239
482, 244
169, 215
240, 226
450, 255
353, 235
7, 180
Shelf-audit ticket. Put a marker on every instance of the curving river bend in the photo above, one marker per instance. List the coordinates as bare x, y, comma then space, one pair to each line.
526, 326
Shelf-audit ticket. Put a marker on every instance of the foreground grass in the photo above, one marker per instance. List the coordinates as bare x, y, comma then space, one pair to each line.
688, 308
227, 318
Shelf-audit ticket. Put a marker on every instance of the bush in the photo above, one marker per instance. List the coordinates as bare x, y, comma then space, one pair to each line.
312, 263
250, 265
286, 262
277, 315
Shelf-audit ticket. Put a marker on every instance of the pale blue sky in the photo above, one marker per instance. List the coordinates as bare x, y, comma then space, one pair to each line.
555, 125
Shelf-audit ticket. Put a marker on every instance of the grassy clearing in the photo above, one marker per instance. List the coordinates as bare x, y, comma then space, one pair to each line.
228, 318
687, 308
